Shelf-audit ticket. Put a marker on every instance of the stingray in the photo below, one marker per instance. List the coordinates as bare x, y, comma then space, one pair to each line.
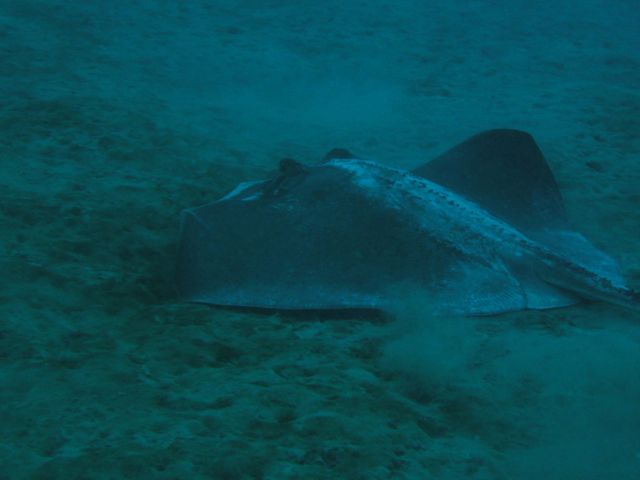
479, 230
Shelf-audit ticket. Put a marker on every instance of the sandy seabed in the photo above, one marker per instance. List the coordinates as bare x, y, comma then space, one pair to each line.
116, 115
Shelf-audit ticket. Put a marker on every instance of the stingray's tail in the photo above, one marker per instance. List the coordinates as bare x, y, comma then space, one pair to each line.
589, 284
605, 291
625, 297
631, 299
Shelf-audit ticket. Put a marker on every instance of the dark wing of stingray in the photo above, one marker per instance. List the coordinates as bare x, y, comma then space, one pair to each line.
306, 239
505, 172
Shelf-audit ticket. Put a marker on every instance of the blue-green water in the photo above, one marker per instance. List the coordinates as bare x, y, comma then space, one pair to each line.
114, 116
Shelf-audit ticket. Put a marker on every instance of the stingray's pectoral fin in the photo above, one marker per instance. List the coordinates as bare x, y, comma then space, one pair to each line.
540, 294
472, 288
477, 289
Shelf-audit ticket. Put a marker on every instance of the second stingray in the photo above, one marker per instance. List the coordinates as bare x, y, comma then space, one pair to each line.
479, 230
